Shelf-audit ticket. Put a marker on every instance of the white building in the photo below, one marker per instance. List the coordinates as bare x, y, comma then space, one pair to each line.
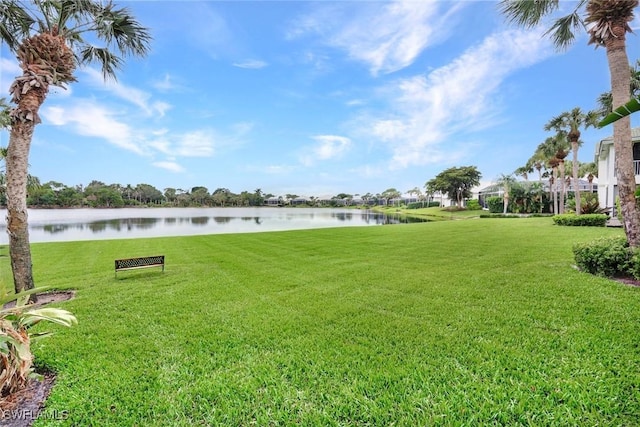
605, 156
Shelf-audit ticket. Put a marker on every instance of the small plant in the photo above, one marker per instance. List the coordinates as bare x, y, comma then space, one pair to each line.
588, 205
16, 359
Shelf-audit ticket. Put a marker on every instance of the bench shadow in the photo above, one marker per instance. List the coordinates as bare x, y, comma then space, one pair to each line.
123, 275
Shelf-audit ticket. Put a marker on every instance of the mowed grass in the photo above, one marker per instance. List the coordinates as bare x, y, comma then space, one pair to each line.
479, 322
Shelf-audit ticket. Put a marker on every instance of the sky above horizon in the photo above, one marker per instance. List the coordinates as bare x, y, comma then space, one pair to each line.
316, 98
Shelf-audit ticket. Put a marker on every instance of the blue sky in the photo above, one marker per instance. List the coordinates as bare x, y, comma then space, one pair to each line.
316, 98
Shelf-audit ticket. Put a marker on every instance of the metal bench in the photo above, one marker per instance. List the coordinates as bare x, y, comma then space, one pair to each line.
142, 262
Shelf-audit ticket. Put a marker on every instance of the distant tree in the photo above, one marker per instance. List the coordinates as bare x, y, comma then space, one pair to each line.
200, 196
415, 191
148, 194
554, 149
69, 197
258, 197
170, 194
506, 182
221, 196
570, 123
456, 182
524, 171
390, 194
590, 170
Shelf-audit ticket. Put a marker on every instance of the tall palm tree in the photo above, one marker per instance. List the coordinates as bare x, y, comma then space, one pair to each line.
553, 150
591, 171
570, 123
47, 38
607, 22
537, 162
506, 182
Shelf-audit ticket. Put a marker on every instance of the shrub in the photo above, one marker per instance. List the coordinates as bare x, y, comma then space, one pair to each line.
473, 205
495, 204
15, 339
589, 220
417, 205
499, 215
608, 257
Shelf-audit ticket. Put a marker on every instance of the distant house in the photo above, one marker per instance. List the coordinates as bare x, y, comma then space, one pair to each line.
607, 181
274, 201
496, 190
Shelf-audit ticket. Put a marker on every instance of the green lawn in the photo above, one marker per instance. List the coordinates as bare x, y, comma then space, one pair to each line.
445, 323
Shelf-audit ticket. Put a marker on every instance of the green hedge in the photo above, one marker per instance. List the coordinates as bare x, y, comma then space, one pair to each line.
495, 204
499, 215
609, 257
589, 220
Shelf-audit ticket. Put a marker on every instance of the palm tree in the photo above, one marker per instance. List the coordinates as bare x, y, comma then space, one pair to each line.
415, 191
570, 123
47, 39
591, 171
553, 150
524, 171
506, 182
537, 161
607, 22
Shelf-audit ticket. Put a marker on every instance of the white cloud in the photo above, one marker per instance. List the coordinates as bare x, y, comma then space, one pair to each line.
327, 147
463, 95
387, 36
133, 95
253, 64
198, 143
166, 84
89, 119
170, 166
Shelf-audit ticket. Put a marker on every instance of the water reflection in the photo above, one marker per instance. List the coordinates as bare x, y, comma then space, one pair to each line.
90, 224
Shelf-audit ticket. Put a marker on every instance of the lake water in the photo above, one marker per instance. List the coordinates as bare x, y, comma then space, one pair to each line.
56, 225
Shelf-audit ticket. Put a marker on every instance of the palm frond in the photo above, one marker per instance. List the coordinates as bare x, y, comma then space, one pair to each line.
15, 23
622, 111
108, 61
118, 26
563, 30
527, 13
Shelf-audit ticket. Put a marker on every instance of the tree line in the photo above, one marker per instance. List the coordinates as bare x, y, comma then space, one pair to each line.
97, 194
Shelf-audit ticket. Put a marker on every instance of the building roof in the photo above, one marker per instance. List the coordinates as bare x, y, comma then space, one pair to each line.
635, 137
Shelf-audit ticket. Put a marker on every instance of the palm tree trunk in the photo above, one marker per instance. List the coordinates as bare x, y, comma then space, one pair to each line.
562, 189
17, 226
555, 191
620, 75
576, 184
505, 202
